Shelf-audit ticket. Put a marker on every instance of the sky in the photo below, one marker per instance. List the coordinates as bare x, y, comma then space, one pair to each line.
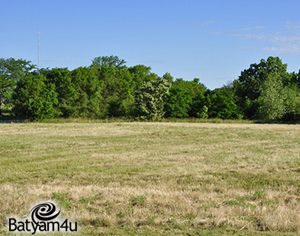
213, 40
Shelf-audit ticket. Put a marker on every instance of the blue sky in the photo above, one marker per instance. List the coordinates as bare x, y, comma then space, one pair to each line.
213, 40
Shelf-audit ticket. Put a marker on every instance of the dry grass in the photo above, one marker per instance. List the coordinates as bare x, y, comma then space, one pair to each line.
156, 178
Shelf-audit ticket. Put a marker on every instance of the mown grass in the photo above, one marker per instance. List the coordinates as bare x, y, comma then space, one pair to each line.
137, 119
155, 178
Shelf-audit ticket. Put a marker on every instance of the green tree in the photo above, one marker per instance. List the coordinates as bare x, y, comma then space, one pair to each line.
110, 61
141, 74
66, 89
221, 105
248, 87
118, 92
291, 95
150, 99
272, 99
278, 101
11, 71
35, 99
89, 89
196, 91
177, 103
203, 113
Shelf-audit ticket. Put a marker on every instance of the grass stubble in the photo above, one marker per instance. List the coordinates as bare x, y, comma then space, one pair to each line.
155, 178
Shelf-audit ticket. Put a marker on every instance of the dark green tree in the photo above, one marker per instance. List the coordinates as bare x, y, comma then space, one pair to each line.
89, 88
141, 74
178, 102
109, 61
35, 99
221, 105
11, 71
118, 93
196, 91
66, 89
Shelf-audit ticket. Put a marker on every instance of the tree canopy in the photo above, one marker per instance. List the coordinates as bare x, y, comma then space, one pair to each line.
109, 88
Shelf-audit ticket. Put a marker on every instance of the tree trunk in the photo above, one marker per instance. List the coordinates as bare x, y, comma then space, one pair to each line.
0, 109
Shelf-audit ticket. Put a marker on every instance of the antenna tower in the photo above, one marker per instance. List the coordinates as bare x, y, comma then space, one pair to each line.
38, 36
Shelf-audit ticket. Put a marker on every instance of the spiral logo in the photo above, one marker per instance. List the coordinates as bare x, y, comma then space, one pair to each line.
43, 212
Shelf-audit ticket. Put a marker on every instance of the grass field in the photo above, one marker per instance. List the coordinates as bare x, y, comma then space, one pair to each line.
155, 178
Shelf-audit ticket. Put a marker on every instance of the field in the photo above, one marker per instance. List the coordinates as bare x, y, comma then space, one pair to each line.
155, 178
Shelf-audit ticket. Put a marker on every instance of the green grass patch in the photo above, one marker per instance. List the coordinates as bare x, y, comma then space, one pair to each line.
164, 178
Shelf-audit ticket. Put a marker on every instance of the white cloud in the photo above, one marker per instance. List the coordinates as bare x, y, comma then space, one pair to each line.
251, 28
207, 23
285, 41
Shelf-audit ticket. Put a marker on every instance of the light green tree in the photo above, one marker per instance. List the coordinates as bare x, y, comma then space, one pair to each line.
272, 99
150, 99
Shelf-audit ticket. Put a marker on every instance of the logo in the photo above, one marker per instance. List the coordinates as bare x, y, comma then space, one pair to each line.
42, 218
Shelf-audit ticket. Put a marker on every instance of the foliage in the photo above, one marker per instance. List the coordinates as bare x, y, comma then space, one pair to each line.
118, 91
150, 99
178, 103
89, 89
11, 71
141, 74
35, 99
272, 99
291, 95
108, 88
203, 113
249, 85
196, 91
66, 90
111, 61
222, 105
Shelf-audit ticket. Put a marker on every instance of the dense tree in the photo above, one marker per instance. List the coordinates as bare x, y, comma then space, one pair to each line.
108, 88
118, 93
11, 71
65, 88
178, 102
248, 87
220, 104
272, 98
89, 89
111, 61
34, 98
291, 95
141, 74
150, 99
196, 91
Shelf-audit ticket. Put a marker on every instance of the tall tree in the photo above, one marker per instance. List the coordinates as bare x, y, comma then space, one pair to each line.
89, 88
279, 101
248, 87
221, 104
178, 102
118, 93
34, 98
195, 91
150, 99
141, 74
110, 61
65, 88
11, 71
272, 99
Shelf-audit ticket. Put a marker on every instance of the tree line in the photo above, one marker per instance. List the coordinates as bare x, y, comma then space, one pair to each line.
108, 88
